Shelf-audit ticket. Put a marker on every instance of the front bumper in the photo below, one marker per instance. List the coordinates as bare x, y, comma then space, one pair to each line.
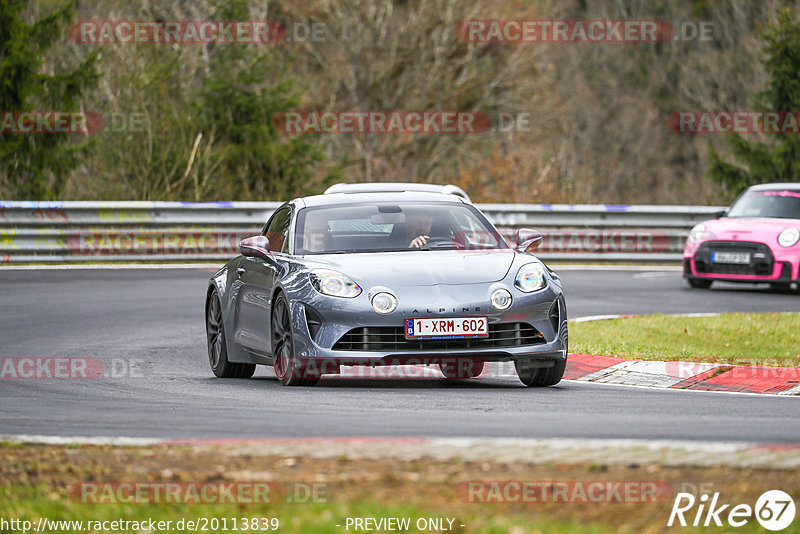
766, 265
545, 311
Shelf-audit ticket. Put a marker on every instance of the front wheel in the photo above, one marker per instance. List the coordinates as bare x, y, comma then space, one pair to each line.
217, 347
782, 287
288, 369
542, 376
698, 283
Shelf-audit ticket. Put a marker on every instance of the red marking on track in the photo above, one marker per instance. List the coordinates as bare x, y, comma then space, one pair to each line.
752, 380
693, 380
580, 365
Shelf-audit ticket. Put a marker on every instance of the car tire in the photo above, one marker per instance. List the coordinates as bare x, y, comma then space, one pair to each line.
217, 346
461, 368
287, 368
782, 287
540, 377
697, 283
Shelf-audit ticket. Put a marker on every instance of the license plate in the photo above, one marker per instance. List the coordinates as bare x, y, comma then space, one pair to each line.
447, 328
730, 257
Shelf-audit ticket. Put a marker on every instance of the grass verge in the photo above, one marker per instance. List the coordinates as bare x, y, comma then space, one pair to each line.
734, 338
35, 482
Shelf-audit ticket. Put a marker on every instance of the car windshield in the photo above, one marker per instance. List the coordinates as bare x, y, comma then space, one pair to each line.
393, 226
779, 203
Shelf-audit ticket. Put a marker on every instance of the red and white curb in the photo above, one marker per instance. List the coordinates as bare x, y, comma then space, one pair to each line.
681, 375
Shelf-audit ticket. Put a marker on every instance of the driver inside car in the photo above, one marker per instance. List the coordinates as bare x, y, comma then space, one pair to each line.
316, 235
418, 229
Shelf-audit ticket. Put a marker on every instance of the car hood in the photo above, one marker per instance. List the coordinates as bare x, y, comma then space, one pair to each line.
419, 268
747, 229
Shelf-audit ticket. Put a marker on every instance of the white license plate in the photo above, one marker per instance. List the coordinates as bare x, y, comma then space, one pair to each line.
447, 327
730, 257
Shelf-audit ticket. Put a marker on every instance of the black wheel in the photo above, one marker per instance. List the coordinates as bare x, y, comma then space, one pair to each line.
782, 287
461, 368
697, 283
289, 370
540, 377
217, 349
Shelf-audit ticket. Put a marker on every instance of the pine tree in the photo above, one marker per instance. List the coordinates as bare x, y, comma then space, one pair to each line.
36, 165
778, 160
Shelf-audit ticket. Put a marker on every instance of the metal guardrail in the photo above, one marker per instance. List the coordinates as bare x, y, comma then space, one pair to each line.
181, 231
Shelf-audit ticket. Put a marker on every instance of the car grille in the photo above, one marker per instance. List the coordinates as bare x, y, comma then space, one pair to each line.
761, 258
381, 338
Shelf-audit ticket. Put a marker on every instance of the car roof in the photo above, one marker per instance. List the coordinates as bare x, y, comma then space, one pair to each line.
329, 199
770, 187
394, 187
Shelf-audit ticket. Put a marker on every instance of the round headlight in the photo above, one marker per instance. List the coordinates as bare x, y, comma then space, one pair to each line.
501, 299
334, 284
531, 277
384, 303
697, 233
789, 237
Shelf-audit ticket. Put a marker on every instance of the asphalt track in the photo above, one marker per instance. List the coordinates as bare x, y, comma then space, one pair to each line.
154, 318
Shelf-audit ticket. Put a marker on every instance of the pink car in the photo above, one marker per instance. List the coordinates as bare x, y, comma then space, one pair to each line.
756, 240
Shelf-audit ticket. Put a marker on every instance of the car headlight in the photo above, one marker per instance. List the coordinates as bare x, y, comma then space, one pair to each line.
334, 284
789, 237
531, 277
501, 299
384, 303
697, 233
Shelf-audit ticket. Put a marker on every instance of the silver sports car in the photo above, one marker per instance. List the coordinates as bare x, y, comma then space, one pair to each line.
385, 278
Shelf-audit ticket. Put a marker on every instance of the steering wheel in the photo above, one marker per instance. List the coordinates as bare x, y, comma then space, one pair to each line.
437, 242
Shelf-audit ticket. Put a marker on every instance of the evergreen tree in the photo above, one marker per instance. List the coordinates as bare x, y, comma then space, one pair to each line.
244, 90
779, 160
36, 165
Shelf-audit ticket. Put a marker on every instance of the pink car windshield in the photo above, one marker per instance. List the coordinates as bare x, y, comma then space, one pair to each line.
778, 203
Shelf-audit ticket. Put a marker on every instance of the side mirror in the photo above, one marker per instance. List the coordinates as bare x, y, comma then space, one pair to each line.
254, 247
720, 214
528, 240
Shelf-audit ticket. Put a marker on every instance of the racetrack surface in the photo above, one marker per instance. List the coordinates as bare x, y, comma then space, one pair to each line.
155, 318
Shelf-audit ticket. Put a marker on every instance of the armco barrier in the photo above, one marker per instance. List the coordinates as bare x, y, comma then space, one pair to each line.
181, 231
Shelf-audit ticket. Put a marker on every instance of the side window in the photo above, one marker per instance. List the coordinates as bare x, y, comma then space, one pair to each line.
278, 229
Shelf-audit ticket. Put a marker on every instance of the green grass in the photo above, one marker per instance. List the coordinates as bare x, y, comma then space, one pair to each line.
29, 504
735, 338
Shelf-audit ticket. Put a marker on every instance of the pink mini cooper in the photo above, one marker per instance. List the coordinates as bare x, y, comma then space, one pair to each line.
755, 240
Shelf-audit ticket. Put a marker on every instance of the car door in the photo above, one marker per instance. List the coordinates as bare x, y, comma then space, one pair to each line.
257, 276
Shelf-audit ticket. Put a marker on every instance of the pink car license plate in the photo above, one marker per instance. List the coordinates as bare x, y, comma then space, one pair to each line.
730, 257
447, 327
